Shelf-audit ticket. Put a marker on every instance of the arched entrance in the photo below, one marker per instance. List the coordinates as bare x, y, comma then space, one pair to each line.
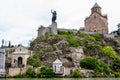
20, 61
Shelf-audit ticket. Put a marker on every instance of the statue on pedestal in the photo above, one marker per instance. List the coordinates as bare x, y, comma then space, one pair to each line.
51, 28
54, 15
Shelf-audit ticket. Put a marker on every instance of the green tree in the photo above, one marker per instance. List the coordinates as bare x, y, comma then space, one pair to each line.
34, 60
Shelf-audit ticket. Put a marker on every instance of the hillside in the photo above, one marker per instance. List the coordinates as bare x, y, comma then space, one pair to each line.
49, 47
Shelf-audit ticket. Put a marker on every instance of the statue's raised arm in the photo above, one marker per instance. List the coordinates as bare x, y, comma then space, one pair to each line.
54, 15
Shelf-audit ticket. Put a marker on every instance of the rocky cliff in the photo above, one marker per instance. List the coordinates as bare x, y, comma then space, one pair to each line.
71, 48
51, 47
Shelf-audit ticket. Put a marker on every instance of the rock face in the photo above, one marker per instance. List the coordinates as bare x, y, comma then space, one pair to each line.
51, 29
69, 59
87, 73
77, 55
53, 47
50, 47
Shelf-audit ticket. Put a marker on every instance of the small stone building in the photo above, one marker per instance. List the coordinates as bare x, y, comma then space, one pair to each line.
58, 67
2, 62
96, 22
20, 56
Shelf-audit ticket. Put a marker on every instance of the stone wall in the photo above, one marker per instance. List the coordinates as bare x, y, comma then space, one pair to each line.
50, 29
110, 35
67, 71
41, 30
16, 71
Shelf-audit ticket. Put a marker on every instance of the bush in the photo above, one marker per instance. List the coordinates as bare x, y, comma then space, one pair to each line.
46, 72
73, 42
110, 52
31, 72
92, 49
88, 37
93, 46
95, 64
102, 67
116, 65
70, 32
77, 73
97, 36
88, 63
117, 74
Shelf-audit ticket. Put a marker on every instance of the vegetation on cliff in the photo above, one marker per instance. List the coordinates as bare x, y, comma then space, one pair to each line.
77, 73
97, 65
103, 52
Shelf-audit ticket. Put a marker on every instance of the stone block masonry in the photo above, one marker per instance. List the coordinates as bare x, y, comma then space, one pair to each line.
50, 29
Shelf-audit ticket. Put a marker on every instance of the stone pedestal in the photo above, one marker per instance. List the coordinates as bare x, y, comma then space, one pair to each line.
53, 27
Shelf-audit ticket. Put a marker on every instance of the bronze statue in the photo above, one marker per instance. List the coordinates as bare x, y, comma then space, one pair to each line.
54, 15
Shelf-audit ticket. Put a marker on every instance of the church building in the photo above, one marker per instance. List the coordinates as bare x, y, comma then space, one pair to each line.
96, 22
20, 56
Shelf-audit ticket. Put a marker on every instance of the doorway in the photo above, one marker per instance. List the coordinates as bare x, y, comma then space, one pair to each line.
20, 61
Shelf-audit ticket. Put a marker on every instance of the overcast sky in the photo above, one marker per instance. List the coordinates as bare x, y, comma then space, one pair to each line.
20, 19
